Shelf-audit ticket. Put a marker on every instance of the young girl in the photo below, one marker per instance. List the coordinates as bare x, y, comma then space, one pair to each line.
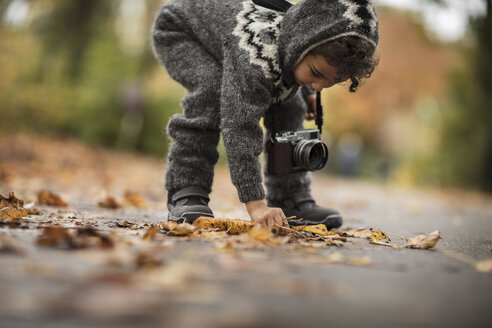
237, 58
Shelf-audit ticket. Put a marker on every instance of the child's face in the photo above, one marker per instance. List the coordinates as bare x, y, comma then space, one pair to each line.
315, 73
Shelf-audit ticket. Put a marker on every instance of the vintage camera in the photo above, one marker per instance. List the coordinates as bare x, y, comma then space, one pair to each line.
296, 151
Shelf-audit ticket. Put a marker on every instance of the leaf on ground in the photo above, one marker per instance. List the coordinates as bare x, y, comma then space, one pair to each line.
109, 202
12, 201
135, 199
319, 229
148, 261
60, 237
232, 226
183, 229
128, 224
484, 266
168, 225
7, 245
150, 233
47, 197
13, 213
261, 233
11, 208
423, 241
358, 233
379, 238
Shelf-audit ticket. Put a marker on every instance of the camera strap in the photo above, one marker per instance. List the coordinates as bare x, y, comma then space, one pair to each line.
275, 109
319, 112
319, 115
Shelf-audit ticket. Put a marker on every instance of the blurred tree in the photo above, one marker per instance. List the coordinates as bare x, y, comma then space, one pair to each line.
467, 133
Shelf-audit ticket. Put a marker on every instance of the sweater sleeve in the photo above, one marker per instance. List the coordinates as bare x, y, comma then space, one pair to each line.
244, 100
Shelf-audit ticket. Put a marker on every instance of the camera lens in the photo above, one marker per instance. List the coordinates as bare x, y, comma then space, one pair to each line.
310, 154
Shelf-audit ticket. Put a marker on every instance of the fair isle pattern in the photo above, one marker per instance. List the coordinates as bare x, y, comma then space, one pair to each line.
258, 29
360, 12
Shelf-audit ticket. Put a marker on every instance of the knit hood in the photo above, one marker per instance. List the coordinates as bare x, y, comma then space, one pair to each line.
311, 23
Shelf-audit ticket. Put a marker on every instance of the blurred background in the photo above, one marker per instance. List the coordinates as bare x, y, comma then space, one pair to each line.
84, 69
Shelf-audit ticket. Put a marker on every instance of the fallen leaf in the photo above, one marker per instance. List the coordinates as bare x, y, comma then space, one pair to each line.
183, 229
150, 233
232, 226
128, 224
423, 241
60, 237
13, 213
12, 201
55, 237
319, 229
169, 225
484, 266
148, 261
109, 202
261, 233
358, 233
49, 198
7, 245
135, 199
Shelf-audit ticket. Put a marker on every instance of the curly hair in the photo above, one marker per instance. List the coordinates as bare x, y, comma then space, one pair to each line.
353, 56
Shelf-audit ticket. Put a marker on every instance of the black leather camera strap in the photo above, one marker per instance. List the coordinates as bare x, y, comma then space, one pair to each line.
279, 5
319, 112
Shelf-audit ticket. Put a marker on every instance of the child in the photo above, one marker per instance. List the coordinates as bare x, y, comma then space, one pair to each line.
236, 59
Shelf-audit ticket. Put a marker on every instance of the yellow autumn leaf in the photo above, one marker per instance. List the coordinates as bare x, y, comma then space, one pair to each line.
261, 233
232, 226
319, 229
423, 241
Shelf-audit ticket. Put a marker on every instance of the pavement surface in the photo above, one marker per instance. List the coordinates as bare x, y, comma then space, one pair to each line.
195, 282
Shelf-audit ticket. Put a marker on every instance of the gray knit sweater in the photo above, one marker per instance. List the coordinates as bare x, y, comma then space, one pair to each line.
258, 49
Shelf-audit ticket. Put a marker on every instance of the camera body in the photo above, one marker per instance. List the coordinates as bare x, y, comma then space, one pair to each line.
295, 151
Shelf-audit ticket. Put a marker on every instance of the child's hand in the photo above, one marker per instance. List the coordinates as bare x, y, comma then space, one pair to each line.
262, 214
311, 107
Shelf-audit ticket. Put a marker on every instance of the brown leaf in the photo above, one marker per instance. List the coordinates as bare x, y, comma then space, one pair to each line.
183, 229
12, 201
80, 238
7, 245
148, 261
261, 233
13, 213
128, 224
47, 197
150, 233
169, 225
423, 241
109, 202
135, 199
232, 226
55, 237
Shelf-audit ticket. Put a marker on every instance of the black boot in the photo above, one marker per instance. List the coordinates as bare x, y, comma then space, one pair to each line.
303, 207
188, 204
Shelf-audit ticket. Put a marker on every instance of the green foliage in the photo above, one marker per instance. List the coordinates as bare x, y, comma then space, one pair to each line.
67, 76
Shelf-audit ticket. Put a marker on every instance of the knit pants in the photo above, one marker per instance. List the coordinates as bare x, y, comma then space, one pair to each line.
195, 133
